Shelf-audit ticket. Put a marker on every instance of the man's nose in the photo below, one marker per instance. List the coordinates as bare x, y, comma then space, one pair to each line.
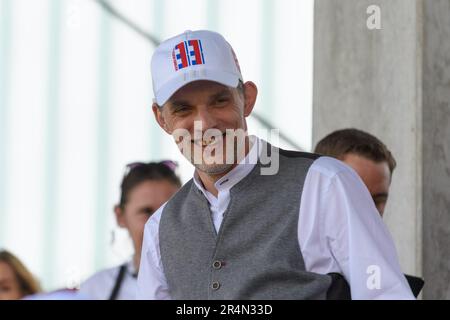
207, 119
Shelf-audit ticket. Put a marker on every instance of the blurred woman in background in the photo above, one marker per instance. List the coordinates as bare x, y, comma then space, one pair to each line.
145, 187
16, 281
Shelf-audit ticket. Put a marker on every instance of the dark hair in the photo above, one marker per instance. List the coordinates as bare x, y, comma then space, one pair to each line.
341, 142
140, 172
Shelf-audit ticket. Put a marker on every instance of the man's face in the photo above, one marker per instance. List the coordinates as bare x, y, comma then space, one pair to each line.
142, 201
204, 107
376, 177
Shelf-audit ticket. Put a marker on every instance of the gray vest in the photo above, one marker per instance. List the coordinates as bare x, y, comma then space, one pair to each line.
255, 254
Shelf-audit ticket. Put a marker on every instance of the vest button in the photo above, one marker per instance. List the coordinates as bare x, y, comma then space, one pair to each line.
217, 265
215, 285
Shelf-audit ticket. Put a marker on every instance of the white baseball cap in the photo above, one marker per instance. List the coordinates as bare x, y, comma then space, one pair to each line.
193, 56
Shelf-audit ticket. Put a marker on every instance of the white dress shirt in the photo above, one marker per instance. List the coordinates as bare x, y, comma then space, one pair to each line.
100, 285
339, 230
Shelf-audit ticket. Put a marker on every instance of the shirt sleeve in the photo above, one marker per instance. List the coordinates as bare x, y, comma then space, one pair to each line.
346, 234
152, 284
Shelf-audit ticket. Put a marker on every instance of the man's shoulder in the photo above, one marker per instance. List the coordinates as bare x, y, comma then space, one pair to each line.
181, 194
298, 154
153, 222
329, 167
324, 165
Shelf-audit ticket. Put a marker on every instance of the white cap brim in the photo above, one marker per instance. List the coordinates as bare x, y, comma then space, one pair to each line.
202, 73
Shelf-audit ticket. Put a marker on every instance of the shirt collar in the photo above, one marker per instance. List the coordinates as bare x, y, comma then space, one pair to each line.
238, 173
131, 269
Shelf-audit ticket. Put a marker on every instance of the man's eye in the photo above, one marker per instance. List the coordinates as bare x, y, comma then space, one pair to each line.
222, 100
148, 211
181, 109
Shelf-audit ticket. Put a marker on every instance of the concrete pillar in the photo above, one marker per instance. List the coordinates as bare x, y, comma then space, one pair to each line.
394, 82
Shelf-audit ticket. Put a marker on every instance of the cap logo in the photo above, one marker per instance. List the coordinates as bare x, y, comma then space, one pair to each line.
188, 53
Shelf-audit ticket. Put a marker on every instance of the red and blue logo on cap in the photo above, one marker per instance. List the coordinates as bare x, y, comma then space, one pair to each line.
188, 53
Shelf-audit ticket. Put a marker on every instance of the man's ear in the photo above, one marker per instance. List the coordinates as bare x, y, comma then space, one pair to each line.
157, 111
120, 216
250, 94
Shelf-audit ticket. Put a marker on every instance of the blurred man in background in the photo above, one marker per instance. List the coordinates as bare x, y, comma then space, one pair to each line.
372, 161
367, 155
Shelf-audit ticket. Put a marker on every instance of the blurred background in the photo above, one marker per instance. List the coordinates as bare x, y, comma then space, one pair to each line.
75, 108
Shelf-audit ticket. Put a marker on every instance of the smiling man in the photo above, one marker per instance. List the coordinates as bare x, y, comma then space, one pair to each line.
236, 231
367, 155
